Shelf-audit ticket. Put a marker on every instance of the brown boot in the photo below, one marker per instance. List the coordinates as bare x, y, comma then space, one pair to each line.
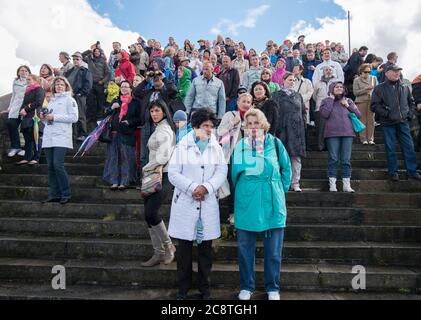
169, 249
158, 248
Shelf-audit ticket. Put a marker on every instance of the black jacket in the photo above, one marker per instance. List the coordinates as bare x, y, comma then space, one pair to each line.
392, 103
33, 101
231, 82
97, 66
352, 67
127, 132
83, 81
270, 109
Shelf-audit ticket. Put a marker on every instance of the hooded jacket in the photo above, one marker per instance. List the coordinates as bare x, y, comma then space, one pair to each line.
125, 68
278, 76
184, 84
338, 123
392, 102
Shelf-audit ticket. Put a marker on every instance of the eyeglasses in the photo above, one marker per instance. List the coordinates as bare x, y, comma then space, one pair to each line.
366, 71
265, 58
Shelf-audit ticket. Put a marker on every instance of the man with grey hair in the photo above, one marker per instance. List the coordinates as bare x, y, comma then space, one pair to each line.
394, 107
207, 91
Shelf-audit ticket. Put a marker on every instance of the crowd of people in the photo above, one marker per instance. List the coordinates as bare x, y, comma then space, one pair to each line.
214, 121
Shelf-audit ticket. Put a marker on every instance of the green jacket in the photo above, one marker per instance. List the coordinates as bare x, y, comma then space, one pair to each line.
184, 84
273, 87
260, 183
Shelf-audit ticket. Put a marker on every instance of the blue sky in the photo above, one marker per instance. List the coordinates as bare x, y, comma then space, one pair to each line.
188, 19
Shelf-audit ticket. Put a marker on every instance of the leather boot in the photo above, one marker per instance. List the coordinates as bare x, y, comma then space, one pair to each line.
158, 250
169, 248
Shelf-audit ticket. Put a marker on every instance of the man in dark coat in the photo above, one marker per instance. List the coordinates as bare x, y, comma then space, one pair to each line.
81, 80
351, 69
231, 79
394, 107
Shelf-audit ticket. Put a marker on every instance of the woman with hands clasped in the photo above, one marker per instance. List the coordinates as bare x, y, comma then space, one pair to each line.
339, 134
197, 170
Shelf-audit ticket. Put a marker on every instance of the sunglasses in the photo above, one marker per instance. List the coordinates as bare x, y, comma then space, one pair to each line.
366, 71
265, 58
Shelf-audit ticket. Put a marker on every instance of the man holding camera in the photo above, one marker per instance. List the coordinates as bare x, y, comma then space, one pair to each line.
394, 106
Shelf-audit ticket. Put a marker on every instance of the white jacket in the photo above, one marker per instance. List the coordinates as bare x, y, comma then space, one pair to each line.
19, 87
189, 169
65, 111
161, 145
338, 72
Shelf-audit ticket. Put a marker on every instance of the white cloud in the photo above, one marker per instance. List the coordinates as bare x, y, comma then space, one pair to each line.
228, 26
382, 25
34, 32
119, 4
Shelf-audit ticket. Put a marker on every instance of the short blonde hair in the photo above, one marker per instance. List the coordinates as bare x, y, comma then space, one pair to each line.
66, 82
260, 117
244, 95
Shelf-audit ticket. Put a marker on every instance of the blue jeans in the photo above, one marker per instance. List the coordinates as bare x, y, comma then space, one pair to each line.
393, 134
32, 151
340, 150
58, 181
13, 127
273, 245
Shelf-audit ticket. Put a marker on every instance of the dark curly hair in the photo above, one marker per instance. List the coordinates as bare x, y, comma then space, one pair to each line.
202, 115
264, 85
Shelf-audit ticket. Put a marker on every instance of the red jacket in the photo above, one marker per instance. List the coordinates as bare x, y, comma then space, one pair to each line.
125, 68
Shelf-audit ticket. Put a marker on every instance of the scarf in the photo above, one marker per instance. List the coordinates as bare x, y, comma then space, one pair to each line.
32, 87
256, 143
124, 106
288, 91
242, 114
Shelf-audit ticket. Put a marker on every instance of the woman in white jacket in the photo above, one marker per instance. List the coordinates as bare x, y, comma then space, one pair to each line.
197, 170
161, 145
62, 113
13, 121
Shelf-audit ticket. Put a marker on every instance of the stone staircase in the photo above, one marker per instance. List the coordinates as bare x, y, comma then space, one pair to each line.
101, 237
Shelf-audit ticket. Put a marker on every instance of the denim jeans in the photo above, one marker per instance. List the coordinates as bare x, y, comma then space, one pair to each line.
32, 152
393, 134
340, 150
58, 181
13, 127
273, 244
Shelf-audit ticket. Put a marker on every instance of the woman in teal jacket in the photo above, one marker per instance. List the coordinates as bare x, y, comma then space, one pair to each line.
261, 176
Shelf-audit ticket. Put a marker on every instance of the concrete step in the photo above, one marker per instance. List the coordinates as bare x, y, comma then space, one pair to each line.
315, 277
91, 228
359, 155
357, 174
312, 199
134, 212
365, 164
34, 292
304, 252
34, 180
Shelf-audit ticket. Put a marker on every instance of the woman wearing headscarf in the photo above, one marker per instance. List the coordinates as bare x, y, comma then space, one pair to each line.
280, 70
291, 126
339, 134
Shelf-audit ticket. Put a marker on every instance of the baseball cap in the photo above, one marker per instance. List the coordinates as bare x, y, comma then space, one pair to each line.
77, 54
393, 67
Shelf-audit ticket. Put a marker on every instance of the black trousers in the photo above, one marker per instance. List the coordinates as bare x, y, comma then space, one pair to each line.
95, 102
154, 202
185, 266
320, 127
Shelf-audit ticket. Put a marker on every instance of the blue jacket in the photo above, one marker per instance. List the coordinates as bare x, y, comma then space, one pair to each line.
260, 182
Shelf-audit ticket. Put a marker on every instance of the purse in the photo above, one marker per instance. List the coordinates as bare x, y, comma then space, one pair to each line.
151, 182
356, 123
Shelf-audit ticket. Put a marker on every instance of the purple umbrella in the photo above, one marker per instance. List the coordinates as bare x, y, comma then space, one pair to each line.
92, 138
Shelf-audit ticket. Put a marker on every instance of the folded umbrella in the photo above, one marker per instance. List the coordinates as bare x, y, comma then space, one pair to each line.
92, 138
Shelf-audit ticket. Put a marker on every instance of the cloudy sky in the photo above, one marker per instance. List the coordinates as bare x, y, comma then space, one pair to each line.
33, 32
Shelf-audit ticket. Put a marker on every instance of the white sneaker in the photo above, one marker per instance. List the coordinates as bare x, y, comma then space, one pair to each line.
297, 189
21, 153
12, 153
244, 295
274, 296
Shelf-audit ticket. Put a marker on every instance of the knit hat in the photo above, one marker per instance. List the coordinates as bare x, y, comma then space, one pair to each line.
180, 116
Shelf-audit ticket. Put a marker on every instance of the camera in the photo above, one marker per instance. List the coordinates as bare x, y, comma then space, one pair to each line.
44, 112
